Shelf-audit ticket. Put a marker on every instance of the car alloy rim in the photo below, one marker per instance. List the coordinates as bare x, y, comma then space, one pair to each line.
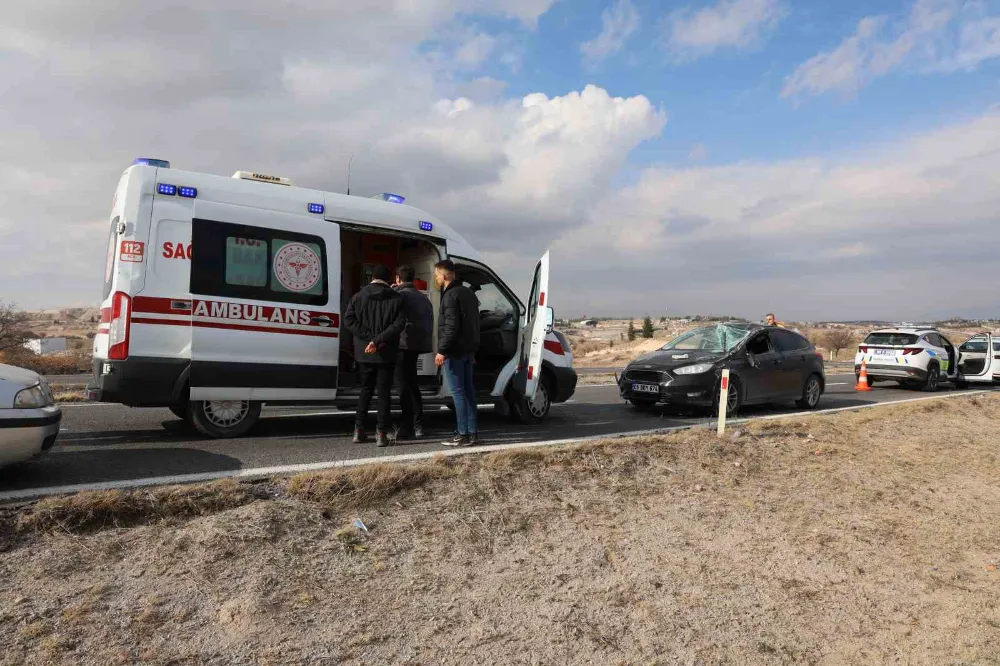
226, 413
540, 405
812, 392
934, 378
731, 399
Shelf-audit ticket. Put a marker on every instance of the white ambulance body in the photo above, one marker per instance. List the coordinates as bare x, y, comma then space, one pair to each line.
221, 294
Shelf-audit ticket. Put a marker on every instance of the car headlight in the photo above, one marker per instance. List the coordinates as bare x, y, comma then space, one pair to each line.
32, 398
695, 369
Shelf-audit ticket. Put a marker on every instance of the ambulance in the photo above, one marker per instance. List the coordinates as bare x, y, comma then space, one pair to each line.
222, 294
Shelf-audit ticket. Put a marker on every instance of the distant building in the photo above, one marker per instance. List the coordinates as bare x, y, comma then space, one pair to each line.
43, 346
592, 323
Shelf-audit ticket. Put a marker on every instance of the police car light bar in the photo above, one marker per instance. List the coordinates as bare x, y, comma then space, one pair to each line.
390, 197
151, 161
261, 177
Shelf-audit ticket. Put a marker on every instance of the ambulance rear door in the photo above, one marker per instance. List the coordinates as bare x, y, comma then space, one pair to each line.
537, 325
265, 289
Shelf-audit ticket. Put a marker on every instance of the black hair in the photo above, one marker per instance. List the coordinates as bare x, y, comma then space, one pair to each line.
446, 265
380, 272
406, 273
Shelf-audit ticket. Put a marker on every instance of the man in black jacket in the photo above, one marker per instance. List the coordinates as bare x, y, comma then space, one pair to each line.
458, 342
375, 319
415, 340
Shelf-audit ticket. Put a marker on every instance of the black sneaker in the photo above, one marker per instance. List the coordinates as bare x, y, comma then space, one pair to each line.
474, 439
458, 440
359, 436
382, 439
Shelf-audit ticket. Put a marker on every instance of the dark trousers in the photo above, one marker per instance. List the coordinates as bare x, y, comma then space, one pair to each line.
409, 391
376, 378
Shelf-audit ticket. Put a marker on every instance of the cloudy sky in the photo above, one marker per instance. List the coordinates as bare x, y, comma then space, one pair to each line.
820, 159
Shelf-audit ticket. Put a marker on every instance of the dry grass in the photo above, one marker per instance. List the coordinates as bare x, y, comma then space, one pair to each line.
63, 393
863, 538
84, 512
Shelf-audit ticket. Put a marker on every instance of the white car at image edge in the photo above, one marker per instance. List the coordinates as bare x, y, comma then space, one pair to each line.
29, 417
923, 358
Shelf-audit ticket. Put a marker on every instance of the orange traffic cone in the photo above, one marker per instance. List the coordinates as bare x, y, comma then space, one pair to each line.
863, 379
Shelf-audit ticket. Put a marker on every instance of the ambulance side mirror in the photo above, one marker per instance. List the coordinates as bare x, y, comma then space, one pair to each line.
550, 320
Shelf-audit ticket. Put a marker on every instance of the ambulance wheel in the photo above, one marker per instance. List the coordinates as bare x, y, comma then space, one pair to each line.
533, 411
221, 419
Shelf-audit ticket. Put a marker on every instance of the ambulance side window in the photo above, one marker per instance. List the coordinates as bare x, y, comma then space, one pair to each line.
255, 263
109, 261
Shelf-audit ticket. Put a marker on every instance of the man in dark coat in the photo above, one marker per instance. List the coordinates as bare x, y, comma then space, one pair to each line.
415, 340
375, 318
458, 342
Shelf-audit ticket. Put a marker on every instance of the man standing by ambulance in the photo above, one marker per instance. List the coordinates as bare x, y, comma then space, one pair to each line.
415, 340
375, 318
458, 342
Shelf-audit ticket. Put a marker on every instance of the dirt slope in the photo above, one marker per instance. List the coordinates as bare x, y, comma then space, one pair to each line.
865, 538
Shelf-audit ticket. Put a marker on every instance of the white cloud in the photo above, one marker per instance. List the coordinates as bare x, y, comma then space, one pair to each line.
934, 36
618, 22
698, 153
695, 33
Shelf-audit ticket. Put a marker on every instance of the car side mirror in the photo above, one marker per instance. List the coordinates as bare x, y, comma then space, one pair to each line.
550, 320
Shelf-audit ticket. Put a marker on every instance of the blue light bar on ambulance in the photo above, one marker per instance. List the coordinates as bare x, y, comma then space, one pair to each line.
316, 208
426, 226
151, 161
390, 197
169, 190
189, 192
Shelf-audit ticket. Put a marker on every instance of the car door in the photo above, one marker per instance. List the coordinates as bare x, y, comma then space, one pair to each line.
763, 374
265, 313
940, 351
536, 325
977, 358
796, 363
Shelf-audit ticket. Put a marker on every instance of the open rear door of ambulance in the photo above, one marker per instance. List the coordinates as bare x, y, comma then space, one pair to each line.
538, 320
978, 360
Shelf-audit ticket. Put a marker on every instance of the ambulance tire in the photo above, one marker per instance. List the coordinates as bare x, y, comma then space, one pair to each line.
223, 419
531, 413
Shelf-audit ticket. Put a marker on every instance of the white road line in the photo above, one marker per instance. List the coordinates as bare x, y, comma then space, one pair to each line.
284, 470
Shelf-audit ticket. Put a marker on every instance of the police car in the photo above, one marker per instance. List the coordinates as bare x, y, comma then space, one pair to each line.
221, 294
923, 358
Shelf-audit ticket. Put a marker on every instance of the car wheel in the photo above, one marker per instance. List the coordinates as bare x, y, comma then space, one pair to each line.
811, 393
221, 419
933, 381
734, 398
533, 411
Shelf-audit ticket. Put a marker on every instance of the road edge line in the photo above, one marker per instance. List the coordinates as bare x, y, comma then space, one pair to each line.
286, 470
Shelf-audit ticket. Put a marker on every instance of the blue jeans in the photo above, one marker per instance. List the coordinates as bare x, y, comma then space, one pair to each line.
463, 392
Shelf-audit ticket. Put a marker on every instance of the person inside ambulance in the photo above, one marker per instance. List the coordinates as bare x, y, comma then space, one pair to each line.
375, 318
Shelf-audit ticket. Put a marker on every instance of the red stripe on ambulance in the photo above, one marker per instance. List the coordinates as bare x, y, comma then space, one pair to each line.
240, 316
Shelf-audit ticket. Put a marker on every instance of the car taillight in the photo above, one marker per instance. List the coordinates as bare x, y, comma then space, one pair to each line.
911, 351
121, 313
863, 349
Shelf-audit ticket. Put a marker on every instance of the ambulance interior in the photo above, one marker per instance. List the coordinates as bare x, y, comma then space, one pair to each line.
499, 311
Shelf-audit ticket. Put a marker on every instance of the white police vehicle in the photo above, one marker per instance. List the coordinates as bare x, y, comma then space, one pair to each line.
223, 293
921, 357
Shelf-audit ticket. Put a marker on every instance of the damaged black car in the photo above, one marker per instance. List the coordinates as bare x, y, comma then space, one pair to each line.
766, 365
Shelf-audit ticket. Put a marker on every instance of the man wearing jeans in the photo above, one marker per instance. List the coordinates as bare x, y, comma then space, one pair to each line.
458, 341
375, 318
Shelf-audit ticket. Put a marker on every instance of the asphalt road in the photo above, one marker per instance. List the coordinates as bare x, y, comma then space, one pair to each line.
101, 443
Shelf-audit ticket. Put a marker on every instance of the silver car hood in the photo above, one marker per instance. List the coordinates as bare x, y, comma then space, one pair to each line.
15, 375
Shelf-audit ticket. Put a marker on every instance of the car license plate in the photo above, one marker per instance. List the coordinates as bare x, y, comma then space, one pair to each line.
645, 388
884, 353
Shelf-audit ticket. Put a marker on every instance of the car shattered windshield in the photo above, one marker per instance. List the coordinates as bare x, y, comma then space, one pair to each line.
716, 339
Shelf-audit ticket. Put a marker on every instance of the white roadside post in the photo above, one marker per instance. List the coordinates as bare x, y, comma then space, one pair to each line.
723, 401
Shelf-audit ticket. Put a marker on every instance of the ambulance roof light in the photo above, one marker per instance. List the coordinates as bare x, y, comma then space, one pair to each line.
390, 197
151, 161
261, 177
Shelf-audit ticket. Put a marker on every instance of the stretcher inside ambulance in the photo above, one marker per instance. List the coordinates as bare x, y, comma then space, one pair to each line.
223, 294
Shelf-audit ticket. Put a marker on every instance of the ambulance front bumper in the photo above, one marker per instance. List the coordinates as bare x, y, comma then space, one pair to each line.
138, 382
